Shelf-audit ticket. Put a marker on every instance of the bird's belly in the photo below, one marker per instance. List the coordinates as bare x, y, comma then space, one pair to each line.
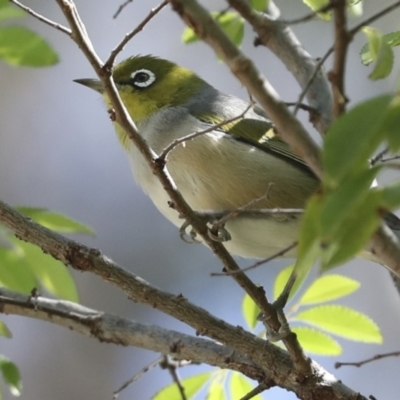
251, 237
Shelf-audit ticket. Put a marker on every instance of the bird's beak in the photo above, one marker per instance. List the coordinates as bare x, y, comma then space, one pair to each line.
94, 84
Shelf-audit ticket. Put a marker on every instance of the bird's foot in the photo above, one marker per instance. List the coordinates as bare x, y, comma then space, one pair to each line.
216, 228
279, 304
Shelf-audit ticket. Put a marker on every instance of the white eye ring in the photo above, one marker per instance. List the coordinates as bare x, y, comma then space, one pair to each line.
143, 83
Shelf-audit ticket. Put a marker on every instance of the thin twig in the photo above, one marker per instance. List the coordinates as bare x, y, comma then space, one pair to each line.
379, 156
311, 80
153, 12
137, 376
307, 17
302, 106
257, 390
166, 364
280, 253
41, 18
163, 155
368, 360
121, 7
374, 17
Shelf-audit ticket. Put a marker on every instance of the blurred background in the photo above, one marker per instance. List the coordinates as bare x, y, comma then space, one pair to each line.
58, 150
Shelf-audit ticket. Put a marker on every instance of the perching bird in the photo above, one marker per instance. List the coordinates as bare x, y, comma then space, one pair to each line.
242, 163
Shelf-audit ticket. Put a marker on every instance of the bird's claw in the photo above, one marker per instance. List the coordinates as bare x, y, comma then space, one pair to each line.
188, 238
216, 231
284, 329
279, 304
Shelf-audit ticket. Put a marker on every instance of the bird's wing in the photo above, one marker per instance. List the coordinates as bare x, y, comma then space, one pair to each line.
257, 132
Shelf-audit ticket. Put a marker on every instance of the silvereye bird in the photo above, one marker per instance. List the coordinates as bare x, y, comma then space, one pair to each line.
243, 163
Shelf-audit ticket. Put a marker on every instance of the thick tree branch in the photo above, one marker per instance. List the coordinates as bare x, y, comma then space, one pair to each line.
110, 328
271, 360
281, 40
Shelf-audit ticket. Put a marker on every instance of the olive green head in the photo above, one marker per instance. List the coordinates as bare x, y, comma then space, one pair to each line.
148, 84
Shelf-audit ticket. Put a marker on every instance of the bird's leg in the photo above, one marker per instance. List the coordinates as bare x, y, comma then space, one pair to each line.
216, 229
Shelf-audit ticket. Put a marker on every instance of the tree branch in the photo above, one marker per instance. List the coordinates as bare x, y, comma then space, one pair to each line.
281, 40
108, 328
123, 118
341, 44
272, 361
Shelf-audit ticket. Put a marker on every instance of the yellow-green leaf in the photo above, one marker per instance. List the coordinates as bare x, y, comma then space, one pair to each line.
317, 342
55, 221
10, 12
240, 386
378, 50
15, 272
250, 311
369, 54
342, 321
259, 5
316, 5
21, 47
4, 331
52, 274
230, 22
216, 391
391, 124
11, 375
192, 385
327, 288
309, 249
345, 244
356, 8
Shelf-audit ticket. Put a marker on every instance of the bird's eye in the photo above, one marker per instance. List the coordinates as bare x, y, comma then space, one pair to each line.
142, 78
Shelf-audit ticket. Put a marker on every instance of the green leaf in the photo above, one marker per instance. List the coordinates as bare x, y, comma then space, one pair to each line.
381, 52
317, 342
344, 201
240, 386
342, 321
10, 12
11, 375
192, 385
316, 5
353, 138
55, 221
230, 22
21, 47
329, 287
391, 124
4, 3
250, 311
281, 279
391, 196
4, 331
346, 244
309, 249
368, 54
356, 8
216, 391
52, 274
260, 5
15, 272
